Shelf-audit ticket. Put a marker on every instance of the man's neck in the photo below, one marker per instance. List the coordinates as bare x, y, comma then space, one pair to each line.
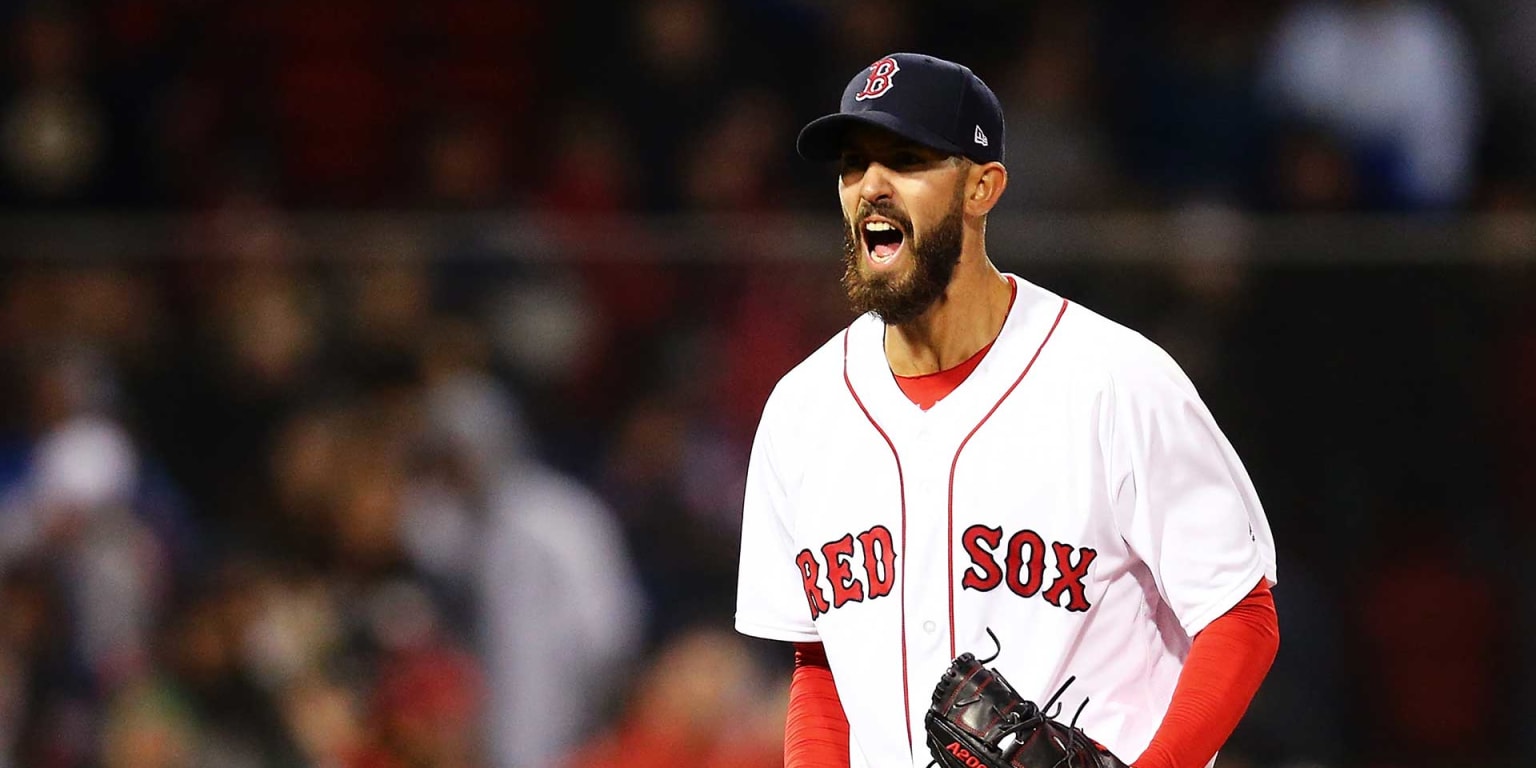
966, 318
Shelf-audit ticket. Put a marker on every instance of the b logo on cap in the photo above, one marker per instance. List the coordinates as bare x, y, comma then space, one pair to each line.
880, 76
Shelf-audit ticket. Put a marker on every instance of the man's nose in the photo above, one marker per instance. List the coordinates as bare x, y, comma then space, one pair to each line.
876, 184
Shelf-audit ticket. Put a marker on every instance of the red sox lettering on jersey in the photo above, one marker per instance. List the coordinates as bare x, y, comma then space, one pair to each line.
833, 578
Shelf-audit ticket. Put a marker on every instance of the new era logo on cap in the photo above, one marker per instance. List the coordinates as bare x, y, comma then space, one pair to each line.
920, 98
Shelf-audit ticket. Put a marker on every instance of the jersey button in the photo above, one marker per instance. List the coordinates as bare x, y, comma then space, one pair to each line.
929, 627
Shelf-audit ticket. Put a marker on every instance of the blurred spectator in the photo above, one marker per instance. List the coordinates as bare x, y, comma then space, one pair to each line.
389, 299
53, 134
1393, 82
75, 509
487, 519
1313, 172
35, 671
702, 696
478, 79
1508, 159
590, 170
1516, 368
335, 92
550, 332
734, 164
149, 726
1435, 652
1058, 154
202, 650
1179, 100
667, 89
327, 721
663, 454
465, 163
427, 708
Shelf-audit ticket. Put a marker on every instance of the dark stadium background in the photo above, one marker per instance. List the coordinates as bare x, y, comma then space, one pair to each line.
331, 332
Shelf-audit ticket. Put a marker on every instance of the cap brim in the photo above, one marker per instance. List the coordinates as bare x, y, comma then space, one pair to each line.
821, 140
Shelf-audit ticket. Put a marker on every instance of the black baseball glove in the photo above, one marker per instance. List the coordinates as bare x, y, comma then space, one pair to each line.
978, 720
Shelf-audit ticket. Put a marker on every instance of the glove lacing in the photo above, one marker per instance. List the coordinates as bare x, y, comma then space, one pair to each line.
1016, 721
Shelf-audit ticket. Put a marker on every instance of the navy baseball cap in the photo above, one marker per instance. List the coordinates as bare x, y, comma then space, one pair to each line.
933, 102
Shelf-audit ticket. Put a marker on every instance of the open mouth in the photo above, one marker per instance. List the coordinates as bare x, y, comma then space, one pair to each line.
882, 240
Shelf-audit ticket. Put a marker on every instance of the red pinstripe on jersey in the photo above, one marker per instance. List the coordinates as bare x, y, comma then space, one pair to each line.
956, 463
901, 482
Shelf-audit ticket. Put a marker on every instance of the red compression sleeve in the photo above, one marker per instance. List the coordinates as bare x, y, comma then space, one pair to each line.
1227, 662
816, 729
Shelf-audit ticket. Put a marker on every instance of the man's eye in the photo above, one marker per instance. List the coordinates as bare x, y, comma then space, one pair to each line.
854, 161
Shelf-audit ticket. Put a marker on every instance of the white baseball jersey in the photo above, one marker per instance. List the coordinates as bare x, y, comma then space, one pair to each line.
1073, 495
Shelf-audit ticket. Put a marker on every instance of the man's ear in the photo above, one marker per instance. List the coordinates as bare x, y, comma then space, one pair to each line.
985, 185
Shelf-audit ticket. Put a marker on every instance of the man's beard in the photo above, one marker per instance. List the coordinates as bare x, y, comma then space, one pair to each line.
902, 296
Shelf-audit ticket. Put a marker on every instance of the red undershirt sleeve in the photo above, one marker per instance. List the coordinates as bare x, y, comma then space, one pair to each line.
1227, 662
816, 728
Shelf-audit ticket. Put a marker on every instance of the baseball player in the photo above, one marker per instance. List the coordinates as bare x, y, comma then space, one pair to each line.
976, 454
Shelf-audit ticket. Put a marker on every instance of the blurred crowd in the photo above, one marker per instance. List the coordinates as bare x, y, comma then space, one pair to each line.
405, 497
256, 512
666, 105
